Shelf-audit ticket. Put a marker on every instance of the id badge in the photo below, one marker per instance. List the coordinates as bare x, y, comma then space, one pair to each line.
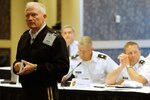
49, 39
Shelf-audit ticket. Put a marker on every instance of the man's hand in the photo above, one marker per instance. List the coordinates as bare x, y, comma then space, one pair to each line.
124, 60
28, 68
17, 67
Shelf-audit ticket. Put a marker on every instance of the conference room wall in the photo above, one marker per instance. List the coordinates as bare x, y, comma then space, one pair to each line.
111, 23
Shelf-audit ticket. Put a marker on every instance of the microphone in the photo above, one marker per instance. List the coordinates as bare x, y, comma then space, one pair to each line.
69, 75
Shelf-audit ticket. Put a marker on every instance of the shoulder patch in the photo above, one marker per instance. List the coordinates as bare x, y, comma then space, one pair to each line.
142, 62
73, 57
102, 56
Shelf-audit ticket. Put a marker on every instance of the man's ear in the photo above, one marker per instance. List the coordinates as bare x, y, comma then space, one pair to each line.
45, 16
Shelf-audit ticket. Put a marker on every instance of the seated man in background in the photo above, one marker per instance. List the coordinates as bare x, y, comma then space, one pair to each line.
133, 66
90, 64
68, 34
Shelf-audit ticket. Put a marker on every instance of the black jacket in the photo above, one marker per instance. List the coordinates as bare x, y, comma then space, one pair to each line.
52, 61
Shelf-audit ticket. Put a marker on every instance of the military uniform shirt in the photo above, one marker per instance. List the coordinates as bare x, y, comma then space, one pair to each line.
142, 67
95, 70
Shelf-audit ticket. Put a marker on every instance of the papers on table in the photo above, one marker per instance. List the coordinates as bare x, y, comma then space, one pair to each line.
80, 82
131, 84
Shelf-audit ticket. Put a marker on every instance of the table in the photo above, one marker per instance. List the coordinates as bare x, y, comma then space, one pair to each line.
13, 92
104, 93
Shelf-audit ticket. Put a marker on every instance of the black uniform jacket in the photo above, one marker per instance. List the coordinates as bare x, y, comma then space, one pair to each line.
52, 61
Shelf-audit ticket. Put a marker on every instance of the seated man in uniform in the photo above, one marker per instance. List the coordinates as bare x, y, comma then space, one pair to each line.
133, 66
89, 64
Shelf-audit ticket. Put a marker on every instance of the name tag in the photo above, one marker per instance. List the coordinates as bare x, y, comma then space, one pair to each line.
125, 78
78, 72
49, 39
